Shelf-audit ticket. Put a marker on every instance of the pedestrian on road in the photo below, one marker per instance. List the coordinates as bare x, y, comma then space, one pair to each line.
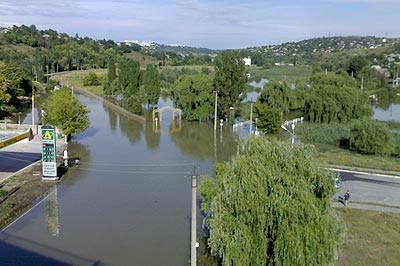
346, 197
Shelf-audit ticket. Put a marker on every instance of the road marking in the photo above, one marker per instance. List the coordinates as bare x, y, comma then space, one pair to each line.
361, 173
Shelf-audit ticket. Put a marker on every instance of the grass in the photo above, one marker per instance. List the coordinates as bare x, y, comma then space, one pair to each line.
283, 73
372, 238
337, 156
143, 59
75, 79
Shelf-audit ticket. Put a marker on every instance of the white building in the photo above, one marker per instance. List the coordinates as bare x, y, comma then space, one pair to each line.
247, 61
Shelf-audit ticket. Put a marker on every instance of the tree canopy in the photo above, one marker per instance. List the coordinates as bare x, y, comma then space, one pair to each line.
151, 85
229, 81
371, 137
194, 95
271, 205
66, 112
335, 98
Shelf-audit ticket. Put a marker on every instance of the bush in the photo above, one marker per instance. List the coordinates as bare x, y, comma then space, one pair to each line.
2, 193
371, 137
332, 134
91, 80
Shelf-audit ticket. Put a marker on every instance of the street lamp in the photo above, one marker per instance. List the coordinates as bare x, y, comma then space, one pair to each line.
215, 110
291, 133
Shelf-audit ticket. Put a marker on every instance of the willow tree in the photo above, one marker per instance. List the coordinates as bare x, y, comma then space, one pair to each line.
271, 205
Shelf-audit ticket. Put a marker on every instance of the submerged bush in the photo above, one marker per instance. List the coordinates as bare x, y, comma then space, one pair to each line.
332, 134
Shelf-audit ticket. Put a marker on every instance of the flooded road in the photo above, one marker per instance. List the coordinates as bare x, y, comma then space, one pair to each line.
128, 202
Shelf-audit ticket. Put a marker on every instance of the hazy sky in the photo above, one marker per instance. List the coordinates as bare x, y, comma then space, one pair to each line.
218, 24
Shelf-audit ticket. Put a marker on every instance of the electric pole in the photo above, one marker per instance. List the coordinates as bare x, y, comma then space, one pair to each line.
193, 244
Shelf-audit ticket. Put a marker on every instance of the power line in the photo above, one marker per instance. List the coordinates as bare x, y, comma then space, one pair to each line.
139, 165
130, 172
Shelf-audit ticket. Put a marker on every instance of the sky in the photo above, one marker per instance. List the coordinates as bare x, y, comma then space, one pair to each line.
214, 24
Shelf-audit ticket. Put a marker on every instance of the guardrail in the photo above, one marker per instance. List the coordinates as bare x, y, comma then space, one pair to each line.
13, 140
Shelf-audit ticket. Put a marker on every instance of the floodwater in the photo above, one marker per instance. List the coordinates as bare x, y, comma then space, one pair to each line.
129, 200
392, 113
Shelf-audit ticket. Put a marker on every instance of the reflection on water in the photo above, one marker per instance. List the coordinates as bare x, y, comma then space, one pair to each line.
197, 140
259, 84
392, 113
52, 217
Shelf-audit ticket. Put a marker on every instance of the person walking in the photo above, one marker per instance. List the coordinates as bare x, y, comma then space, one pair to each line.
346, 197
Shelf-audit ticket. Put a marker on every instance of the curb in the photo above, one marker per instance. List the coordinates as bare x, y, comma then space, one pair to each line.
364, 171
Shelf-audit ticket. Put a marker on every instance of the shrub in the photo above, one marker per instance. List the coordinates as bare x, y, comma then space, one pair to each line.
371, 137
91, 80
332, 134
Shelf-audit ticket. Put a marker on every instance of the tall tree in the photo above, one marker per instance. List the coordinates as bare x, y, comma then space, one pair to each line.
151, 85
229, 81
193, 94
269, 120
111, 76
276, 95
129, 77
66, 112
271, 205
335, 98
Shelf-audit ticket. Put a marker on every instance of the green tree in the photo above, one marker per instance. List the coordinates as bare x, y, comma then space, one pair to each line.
12, 85
229, 81
335, 98
269, 120
371, 137
66, 112
129, 77
271, 205
91, 80
111, 76
134, 105
193, 94
277, 95
151, 82
356, 64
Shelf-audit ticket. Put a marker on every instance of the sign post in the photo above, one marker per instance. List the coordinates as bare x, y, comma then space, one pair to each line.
49, 162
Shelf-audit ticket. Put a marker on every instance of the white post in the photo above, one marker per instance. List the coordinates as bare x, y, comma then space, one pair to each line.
251, 118
33, 109
215, 110
293, 126
193, 232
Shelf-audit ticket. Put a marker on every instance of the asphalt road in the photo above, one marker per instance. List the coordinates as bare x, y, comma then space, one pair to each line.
11, 162
370, 188
17, 156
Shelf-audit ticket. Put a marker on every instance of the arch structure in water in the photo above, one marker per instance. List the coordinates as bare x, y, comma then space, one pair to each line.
173, 109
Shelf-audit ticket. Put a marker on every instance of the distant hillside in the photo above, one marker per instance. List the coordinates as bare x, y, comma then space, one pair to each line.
183, 49
326, 45
310, 51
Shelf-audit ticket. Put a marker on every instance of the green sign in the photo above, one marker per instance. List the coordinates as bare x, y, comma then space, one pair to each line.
48, 136
49, 160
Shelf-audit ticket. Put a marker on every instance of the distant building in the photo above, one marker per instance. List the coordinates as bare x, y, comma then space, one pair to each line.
247, 61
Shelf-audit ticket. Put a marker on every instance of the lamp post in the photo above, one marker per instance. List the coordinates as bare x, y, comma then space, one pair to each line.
291, 133
215, 110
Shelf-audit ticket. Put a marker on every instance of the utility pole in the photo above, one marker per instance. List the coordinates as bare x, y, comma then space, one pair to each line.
251, 118
33, 108
193, 244
362, 82
215, 110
